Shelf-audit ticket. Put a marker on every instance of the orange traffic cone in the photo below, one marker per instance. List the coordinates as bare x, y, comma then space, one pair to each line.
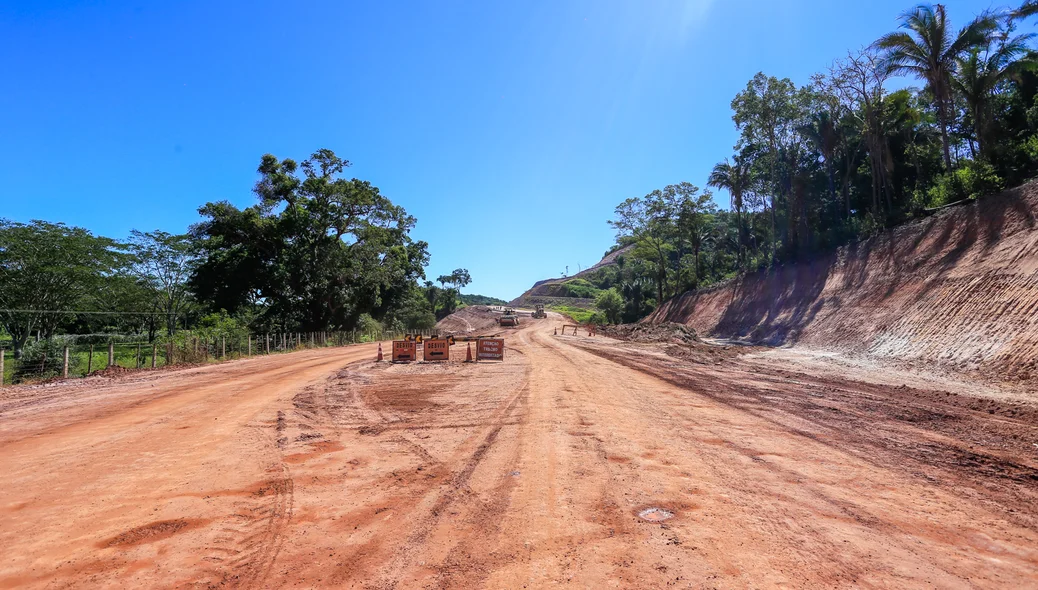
379, 351
468, 353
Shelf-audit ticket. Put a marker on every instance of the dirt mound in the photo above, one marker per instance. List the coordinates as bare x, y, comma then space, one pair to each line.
667, 332
471, 319
112, 371
958, 291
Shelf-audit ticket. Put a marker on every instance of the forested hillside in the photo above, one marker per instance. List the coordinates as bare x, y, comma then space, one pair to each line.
843, 156
959, 290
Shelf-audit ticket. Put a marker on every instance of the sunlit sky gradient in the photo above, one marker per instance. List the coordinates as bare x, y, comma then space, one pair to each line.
509, 129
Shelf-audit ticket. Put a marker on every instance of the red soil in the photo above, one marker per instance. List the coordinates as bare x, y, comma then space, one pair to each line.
957, 291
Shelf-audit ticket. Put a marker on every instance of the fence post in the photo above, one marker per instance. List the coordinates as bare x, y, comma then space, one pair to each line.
138, 364
64, 365
223, 347
111, 353
90, 359
267, 345
250, 346
154, 353
2, 367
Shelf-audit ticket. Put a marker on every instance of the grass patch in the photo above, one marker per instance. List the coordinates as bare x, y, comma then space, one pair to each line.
577, 314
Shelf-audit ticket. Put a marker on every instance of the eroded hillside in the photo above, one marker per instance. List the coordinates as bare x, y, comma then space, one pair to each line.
958, 290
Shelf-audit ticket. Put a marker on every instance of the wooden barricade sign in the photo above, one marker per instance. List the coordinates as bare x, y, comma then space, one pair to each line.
437, 350
404, 351
490, 349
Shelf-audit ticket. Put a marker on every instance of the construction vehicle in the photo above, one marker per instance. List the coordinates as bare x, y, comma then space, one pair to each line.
509, 319
538, 312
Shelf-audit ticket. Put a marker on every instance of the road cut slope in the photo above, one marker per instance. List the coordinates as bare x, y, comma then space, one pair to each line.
958, 290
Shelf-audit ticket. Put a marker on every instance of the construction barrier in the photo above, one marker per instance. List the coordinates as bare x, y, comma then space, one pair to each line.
404, 351
490, 349
437, 350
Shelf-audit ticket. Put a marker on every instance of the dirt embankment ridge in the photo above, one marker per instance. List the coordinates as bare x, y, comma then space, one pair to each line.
958, 291
546, 292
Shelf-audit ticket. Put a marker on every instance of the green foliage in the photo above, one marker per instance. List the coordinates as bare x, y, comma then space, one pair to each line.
45, 358
610, 303
317, 250
480, 300
46, 268
368, 325
577, 314
580, 288
972, 181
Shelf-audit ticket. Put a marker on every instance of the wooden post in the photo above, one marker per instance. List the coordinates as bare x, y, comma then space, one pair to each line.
90, 359
250, 346
111, 353
267, 345
64, 365
2, 367
154, 353
138, 364
223, 347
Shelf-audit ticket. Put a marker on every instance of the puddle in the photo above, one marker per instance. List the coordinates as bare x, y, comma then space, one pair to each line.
655, 514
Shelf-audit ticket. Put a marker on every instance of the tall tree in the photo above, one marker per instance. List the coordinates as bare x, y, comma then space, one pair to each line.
46, 269
649, 223
736, 178
164, 263
982, 69
928, 49
317, 250
695, 216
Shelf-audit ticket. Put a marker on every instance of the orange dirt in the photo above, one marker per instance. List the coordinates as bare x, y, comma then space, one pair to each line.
957, 291
577, 462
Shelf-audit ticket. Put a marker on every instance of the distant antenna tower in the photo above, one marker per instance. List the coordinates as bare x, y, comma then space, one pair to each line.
567, 271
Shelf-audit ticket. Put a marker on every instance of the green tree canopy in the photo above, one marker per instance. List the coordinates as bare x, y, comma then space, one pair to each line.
315, 252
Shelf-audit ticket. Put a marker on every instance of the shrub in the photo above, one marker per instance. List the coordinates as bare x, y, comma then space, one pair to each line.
611, 304
971, 181
44, 359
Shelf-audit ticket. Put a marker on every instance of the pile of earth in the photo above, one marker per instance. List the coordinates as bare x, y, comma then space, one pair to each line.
667, 332
471, 319
110, 371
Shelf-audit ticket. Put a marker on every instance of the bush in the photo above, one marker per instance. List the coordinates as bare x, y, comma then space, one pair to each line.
971, 181
368, 327
611, 304
44, 359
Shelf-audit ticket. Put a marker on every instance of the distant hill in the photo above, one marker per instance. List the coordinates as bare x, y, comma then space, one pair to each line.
480, 300
574, 291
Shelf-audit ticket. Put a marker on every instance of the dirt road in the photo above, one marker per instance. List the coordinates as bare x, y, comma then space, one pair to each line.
325, 469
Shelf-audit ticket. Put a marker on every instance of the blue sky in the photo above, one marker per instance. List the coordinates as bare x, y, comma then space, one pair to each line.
509, 129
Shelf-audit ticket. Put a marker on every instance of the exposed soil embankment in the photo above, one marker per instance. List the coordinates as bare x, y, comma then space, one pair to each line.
958, 290
474, 318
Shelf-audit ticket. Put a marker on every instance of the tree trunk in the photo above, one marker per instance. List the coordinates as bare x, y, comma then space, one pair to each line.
943, 116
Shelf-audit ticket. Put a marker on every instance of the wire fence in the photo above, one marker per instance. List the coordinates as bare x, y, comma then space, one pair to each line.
73, 356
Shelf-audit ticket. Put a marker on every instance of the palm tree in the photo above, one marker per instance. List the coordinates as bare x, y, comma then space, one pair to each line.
980, 71
928, 50
822, 131
737, 180
1030, 8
